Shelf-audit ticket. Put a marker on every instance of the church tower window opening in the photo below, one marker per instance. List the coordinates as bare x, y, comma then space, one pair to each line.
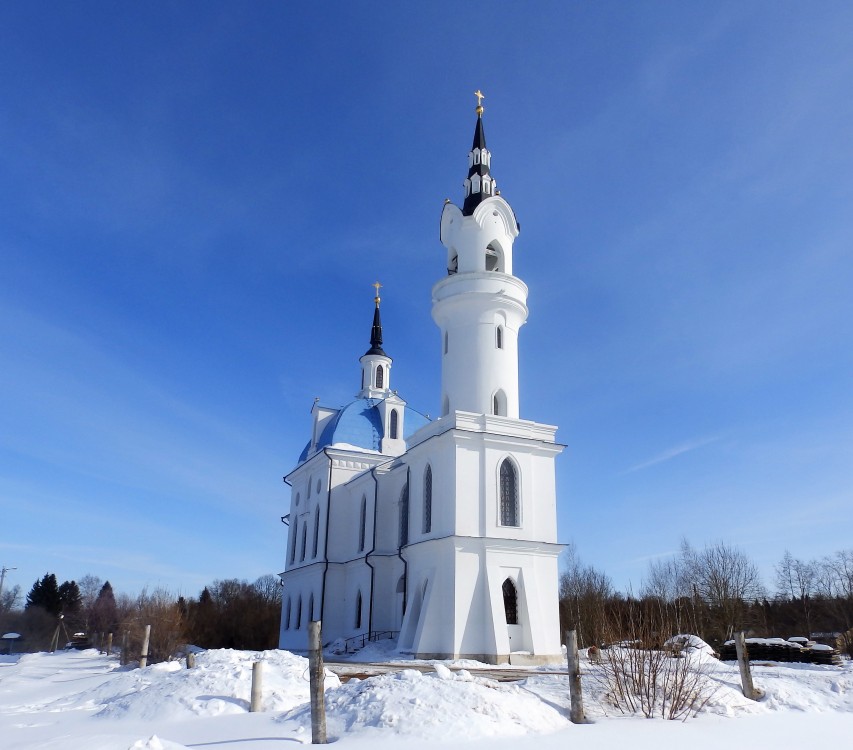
299, 612
316, 532
499, 404
358, 611
311, 607
395, 419
287, 614
510, 602
362, 523
509, 494
293, 539
427, 527
499, 337
404, 516
304, 542
493, 258
380, 377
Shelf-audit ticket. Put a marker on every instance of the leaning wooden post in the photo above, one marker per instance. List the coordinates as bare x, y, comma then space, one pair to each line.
316, 675
109, 649
576, 714
257, 687
743, 662
190, 660
122, 659
143, 657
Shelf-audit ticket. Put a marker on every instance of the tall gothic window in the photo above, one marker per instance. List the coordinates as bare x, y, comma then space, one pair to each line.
499, 404
395, 419
509, 494
316, 532
287, 614
362, 524
299, 612
404, 516
499, 337
293, 539
358, 610
311, 608
380, 377
510, 602
428, 500
304, 541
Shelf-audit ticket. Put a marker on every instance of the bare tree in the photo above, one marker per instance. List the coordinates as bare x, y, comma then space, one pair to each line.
584, 592
796, 580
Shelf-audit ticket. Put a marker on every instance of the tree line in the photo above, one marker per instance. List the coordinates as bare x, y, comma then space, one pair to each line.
226, 614
711, 592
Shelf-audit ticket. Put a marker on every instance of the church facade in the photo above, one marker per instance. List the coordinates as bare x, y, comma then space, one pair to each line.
443, 532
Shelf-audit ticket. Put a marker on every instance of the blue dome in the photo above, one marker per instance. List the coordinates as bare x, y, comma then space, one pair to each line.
360, 424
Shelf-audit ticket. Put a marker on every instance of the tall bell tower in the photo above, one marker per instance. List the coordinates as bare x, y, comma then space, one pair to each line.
480, 306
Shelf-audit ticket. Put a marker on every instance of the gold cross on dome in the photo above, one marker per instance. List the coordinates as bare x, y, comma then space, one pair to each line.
377, 286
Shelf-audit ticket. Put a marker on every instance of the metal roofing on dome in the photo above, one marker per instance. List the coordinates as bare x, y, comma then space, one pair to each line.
360, 424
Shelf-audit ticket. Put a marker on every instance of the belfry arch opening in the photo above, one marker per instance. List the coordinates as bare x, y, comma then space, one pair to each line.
494, 258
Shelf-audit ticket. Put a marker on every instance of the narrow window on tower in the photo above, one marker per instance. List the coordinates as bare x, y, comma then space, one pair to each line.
287, 614
499, 404
358, 611
499, 337
316, 531
510, 602
299, 612
362, 523
304, 541
404, 516
311, 608
445, 342
394, 423
293, 540
428, 500
509, 494
380, 377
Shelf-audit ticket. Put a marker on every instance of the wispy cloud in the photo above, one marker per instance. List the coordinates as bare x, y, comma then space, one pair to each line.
671, 453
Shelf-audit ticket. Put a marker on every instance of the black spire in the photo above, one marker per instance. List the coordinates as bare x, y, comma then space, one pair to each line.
376, 331
480, 184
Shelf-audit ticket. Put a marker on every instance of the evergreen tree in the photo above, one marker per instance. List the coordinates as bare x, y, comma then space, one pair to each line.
69, 598
104, 616
45, 595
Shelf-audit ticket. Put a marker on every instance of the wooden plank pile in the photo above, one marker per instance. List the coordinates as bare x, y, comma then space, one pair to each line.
778, 649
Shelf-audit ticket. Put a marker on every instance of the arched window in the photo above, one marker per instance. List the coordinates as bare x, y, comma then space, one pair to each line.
311, 607
510, 602
499, 337
309, 488
287, 614
380, 377
362, 523
487, 186
358, 611
509, 494
428, 500
299, 612
475, 184
499, 404
293, 539
304, 541
316, 531
476, 156
395, 419
404, 516
493, 259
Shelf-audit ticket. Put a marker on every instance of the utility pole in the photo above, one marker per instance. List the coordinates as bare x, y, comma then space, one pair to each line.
3, 572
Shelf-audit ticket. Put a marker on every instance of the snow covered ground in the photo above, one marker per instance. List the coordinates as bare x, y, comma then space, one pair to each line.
85, 701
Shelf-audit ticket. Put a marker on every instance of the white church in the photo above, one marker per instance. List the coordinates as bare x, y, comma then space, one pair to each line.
443, 532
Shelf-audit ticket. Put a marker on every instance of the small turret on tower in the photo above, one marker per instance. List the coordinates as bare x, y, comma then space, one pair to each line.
375, 363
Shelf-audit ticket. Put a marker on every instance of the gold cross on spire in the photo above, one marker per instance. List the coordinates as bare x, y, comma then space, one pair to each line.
377, 286
480, 96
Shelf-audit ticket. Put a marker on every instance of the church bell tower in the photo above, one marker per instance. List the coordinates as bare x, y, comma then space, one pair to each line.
480, 306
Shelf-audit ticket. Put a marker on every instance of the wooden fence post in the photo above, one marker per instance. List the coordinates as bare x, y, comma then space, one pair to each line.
576, 714
109, 648
257, 687
749, 690
316, 675
143, 657
123, 657
190, 660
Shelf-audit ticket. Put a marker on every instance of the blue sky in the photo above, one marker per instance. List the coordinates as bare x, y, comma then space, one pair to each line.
196, 197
